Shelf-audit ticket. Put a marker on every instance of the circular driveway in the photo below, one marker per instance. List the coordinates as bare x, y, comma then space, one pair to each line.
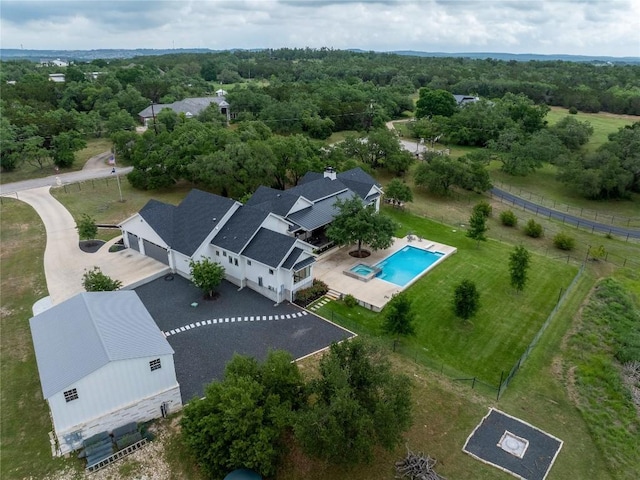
205, 337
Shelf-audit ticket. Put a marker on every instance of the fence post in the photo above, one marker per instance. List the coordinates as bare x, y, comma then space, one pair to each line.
500, 385
473, 384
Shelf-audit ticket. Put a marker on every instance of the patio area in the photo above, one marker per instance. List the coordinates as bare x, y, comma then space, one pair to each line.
375, 293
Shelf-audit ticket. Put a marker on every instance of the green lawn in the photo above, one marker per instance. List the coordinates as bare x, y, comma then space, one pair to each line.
603, 123
101, 199
490, 343
24, 443
26, 171
543, 187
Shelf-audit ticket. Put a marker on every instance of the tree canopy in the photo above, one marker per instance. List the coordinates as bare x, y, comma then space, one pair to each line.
399, 315
241, 421
206, 275
358, 403
466, 299
95, 281
519, 263
435, 103
361, 224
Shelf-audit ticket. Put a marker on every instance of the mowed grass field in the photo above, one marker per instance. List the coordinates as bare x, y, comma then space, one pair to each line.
489, 344
27, 171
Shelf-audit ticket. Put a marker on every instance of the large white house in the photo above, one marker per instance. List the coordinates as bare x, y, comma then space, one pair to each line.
103, 363
267, 244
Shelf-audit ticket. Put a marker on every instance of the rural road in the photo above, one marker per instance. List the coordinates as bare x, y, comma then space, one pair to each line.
563, 217
65, 178
414, 147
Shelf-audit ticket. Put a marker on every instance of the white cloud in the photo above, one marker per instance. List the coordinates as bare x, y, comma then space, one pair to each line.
589, 27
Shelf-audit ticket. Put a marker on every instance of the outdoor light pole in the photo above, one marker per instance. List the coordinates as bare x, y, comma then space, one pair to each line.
153, 114
113, 171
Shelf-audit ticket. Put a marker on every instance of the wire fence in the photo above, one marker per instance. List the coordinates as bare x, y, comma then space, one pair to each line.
581, 212
421, 356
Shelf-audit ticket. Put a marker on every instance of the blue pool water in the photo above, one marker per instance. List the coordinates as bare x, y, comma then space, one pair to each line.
406, 264
362, 269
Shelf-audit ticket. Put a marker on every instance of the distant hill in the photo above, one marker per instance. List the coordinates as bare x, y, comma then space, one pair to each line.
106, 54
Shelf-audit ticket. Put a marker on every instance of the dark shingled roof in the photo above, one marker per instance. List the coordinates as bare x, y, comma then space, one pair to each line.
358, 180
269, 247
292, 258
321, 188
185, 227
322, 213
237, 232
159, 216
310, 177
272, 200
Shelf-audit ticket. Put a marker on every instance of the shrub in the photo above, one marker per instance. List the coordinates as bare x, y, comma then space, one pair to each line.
349, 300
484, 208
533, 229
564, 241
573, 110
508, 218
305, 296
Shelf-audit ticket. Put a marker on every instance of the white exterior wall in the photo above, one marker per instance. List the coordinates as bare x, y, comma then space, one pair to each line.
180, 264
118, 385
138, 226
276, 224
300, 204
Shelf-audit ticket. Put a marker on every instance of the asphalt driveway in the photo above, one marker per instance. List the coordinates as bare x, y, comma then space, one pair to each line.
205, 337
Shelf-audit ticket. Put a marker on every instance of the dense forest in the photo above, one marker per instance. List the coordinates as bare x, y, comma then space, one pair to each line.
287, 102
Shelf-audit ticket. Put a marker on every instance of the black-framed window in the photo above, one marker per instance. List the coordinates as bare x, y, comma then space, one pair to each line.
71, 395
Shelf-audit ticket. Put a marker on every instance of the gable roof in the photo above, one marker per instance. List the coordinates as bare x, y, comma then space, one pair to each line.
272, 200
185, 227
269, 247
321, 213
193, 106
358, 180
318, 189
81, 335
240, 228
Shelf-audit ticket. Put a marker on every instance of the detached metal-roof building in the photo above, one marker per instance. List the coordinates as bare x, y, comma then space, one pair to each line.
103, 363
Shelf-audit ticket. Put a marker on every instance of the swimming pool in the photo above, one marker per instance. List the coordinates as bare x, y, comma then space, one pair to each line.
406, 264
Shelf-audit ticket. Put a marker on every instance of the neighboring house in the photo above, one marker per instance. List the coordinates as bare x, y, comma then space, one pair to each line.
463, 100
103, 363
190, 107
54, 63
266, 245
56, 77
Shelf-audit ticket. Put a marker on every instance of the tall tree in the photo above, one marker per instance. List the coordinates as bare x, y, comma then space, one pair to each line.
398, 190
206, 275
359, 223
466, 299
86, 226
435, 103
241, 421
64, 147
399, 317
358, 404
519, 262
477, 226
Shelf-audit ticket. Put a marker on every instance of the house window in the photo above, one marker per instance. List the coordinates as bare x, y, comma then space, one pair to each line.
217, 253
248, 262
231, 260
301, 274
224, 254
260, 281
271, 271
155, 364
71, 395
235, 262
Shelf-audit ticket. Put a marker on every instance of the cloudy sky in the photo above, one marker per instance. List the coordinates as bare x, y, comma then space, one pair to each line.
579, 27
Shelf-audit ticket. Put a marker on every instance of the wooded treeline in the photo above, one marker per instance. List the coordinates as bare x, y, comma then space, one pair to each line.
285, 101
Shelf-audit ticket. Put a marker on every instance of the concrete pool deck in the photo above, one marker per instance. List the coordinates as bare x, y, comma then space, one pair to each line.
375, 293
